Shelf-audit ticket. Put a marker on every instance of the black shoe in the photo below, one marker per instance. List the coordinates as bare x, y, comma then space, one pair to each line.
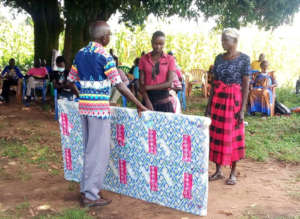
90, 203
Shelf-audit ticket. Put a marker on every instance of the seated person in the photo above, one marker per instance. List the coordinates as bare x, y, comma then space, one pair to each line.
261, 95
176, 86
136, 75
178, 69
255, 65
36, 77
60, 79
11, 74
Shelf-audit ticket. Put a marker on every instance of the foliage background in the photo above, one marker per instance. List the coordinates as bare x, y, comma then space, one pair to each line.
193, 48
16, 41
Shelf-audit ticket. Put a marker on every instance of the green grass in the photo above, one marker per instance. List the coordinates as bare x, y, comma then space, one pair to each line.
288, 97
69, 214
12, 148
33, 151
277, 137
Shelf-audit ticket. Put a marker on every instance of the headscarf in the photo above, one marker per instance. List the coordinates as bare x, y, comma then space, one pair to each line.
231, 32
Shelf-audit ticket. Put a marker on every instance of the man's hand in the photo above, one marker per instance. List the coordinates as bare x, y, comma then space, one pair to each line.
140, 110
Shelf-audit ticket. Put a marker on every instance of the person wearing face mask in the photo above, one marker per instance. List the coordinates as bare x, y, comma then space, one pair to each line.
60, 77
226, 106
261, 96
157, 73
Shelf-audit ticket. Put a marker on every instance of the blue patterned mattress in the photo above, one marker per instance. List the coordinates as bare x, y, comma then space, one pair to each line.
160, 157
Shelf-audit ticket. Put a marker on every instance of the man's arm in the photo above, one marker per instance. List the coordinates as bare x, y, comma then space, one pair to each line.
72, 78
127, 93
19, 74
3, 72
113, 75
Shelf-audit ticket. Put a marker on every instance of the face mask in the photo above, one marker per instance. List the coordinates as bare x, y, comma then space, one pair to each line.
60, 69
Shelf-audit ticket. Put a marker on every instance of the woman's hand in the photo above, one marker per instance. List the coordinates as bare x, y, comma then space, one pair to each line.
241, 117
149, 105
207, 111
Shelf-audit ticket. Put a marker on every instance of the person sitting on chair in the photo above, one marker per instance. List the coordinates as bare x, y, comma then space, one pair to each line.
255, 65
261, 96
36, 77
11, 74
60, 79
136, 75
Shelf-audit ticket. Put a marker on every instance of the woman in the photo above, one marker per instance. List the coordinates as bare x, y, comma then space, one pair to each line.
226, 106
157, 71
261, 97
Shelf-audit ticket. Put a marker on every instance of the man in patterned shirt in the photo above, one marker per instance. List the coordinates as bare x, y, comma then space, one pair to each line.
96, 71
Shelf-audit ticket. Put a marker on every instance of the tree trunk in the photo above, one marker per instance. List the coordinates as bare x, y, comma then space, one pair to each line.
47, 27
74, 40
78, 17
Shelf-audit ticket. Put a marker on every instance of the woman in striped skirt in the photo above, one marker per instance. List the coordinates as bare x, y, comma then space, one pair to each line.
226, 106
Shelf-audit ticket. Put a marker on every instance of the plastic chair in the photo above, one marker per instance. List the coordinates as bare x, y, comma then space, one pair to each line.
55, 104
17, 88
124, 101
182, 97
43, 88
199, 77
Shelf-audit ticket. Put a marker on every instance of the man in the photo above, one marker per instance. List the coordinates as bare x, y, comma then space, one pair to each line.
96, 71
255, 65
11, 74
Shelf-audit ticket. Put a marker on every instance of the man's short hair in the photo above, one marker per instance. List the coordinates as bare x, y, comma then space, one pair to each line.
98, 29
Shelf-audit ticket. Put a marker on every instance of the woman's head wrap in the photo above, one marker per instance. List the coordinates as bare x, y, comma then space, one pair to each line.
231, 32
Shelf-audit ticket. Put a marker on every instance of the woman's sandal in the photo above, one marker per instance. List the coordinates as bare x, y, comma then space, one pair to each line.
215, 177
231, 181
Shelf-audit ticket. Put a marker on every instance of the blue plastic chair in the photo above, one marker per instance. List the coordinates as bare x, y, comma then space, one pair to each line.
182, 97
43, 88
124, 101
55, 104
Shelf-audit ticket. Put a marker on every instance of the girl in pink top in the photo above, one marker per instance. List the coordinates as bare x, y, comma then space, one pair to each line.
157, 72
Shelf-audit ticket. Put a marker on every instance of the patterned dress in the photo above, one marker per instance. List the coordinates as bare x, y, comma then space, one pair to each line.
261, 97
227, 136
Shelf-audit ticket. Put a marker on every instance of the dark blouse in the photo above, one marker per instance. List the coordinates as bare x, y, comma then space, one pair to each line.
231, 71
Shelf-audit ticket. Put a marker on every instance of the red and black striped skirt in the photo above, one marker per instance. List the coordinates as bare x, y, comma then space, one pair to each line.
227, 135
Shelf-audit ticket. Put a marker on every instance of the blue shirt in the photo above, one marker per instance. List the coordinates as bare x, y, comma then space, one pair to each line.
14, 72
136, 73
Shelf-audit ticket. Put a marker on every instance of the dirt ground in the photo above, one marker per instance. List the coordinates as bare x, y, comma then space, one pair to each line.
266, 190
